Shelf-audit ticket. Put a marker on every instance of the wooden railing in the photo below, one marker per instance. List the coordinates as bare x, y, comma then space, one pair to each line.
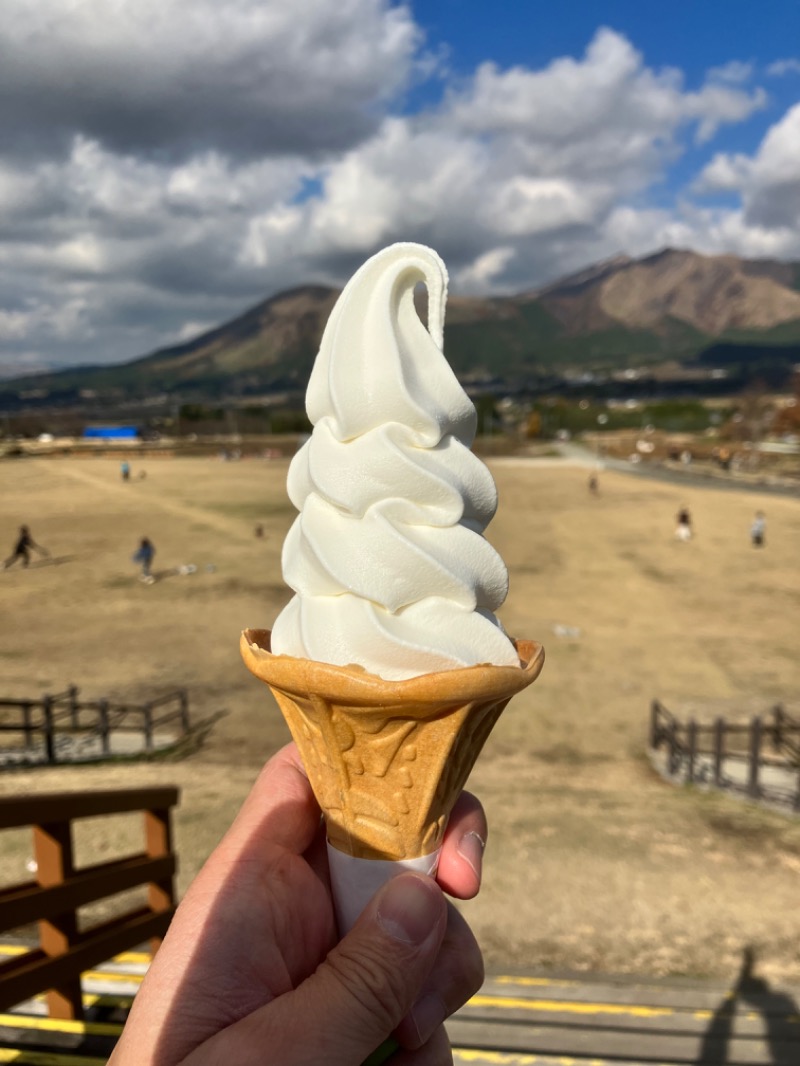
42, 723
698, 753
53, 899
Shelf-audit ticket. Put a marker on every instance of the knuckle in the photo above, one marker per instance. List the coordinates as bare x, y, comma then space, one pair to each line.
375, 989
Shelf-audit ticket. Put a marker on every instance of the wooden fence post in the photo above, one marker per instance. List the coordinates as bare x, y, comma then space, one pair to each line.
147, 713
158, 836
49, 739
654, 730
692, 742
73, 705
753, 787
27, 725
672, 737
777, 729
52, 844
719, 750
105, 733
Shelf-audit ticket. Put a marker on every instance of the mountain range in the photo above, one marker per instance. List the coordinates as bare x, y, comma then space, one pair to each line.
671, 307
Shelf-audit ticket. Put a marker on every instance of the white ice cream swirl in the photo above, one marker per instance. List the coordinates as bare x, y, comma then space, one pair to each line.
386, 556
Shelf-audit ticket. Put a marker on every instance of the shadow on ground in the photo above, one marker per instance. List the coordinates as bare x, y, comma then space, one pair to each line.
752, 994
185, 570
37, 564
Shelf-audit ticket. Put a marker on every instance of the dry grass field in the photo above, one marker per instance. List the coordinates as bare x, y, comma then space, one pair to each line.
594, 863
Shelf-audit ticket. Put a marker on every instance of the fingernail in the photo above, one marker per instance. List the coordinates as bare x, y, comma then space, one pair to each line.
409, 908
471, 848
428, 1014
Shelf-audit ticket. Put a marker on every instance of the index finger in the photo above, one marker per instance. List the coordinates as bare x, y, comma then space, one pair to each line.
281, 808
461, 861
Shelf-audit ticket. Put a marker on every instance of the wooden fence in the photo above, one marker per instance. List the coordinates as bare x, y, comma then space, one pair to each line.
53, 899
703, 754
40, 724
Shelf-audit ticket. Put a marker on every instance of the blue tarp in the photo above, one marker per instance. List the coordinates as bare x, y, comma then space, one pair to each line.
112, 432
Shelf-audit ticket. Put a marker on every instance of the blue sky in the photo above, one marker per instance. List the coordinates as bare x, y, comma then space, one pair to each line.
688, 35
163, 167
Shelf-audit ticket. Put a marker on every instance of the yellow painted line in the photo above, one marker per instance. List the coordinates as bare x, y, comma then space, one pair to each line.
102, 975
138, 957
47, 1058
569, 1007
560, 1006
536, 982
496, 1057
60, 1025
106, 999
511, 1058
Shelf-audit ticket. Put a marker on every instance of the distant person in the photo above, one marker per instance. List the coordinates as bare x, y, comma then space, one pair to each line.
22, 549
144, 555
758, 529
594, 487
259, 531
125, 470
683, 529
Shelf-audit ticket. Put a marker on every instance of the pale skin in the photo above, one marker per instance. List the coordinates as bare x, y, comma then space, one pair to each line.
251, 974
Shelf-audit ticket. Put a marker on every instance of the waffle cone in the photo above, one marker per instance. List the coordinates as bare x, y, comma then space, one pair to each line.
387, 759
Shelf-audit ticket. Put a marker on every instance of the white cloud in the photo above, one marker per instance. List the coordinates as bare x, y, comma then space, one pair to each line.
213, 153
479, 275
768, 183
584, 102
717, 105
781, 67
254, 77
735, 72
725, 173
527, 206
13, 325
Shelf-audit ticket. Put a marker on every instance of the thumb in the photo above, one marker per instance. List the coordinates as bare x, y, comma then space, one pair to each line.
370, 980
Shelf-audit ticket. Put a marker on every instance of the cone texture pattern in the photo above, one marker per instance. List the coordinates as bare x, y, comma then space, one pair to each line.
387, 759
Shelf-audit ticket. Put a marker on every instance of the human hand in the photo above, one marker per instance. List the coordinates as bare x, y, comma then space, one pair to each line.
250, 971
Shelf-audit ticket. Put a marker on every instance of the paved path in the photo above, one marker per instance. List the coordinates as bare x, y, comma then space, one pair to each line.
523, 1020
696, 476
779, 785
84, 747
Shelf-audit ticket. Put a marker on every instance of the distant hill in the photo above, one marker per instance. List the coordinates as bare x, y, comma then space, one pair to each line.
671, 306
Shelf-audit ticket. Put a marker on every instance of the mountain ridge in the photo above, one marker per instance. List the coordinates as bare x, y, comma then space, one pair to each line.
670, 305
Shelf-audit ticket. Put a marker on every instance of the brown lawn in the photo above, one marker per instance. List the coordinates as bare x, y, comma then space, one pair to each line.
593, 863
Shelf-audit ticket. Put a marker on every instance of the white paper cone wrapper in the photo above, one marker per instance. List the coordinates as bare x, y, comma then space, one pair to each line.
355, 881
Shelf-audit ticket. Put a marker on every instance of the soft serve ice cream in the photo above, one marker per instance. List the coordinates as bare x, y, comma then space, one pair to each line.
388, 664
386, 558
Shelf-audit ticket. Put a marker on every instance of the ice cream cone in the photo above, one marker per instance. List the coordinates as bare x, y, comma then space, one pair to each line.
387, 759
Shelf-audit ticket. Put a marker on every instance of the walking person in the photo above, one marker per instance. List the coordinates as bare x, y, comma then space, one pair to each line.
758, 529
683, 529
144, 555
22, 549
